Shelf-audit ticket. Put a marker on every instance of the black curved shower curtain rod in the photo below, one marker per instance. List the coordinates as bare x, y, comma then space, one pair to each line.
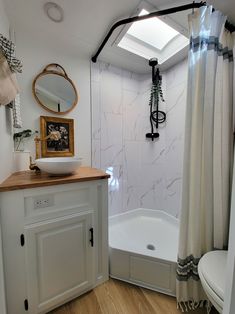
193, 5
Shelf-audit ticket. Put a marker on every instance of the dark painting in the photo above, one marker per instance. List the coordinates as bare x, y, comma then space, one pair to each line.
59, 139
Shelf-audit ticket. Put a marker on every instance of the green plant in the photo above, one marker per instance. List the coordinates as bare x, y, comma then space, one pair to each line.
19, 137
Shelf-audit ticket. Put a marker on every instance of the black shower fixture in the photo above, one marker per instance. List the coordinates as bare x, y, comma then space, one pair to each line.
156, 116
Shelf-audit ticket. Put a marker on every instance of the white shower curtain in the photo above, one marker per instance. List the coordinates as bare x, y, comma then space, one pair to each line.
208, 151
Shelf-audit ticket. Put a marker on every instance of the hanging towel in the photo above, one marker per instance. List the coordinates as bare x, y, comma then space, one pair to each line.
17, 122
7, 47
8, 85
17, 66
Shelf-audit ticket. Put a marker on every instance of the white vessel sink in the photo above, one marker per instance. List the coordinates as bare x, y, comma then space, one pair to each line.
59, 165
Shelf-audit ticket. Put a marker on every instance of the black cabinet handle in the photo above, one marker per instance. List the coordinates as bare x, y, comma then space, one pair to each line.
26, 305
92, 236
22, 240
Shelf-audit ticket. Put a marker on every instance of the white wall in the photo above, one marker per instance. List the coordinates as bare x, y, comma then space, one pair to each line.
6, 156
229, 301
36, 54
6, 163
143, 173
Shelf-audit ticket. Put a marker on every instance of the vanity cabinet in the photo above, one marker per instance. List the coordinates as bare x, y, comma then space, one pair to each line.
55, 244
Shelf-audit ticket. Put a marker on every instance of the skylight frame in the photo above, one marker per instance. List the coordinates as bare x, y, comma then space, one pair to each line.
141, 30
153, 51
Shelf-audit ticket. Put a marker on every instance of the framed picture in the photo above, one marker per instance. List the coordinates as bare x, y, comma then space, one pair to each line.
57, 136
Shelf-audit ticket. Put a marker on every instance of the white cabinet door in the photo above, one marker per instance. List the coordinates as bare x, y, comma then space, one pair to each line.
59, 260
2, 287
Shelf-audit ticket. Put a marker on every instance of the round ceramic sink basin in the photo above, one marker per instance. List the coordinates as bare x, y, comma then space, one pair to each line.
59, 165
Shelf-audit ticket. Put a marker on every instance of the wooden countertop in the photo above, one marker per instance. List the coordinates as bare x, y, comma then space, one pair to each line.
30, 179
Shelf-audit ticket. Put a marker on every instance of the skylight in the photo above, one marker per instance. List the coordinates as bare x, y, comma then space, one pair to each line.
152, 31
153, 38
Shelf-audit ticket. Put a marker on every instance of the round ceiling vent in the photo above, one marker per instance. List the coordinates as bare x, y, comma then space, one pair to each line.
54, 12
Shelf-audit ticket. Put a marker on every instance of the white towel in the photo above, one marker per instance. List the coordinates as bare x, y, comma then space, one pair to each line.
8, 83
17, 122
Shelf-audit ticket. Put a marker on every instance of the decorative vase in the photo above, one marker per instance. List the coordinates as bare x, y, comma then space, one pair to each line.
21, 160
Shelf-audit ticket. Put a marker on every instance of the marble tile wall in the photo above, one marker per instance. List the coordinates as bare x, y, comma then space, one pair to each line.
143, 173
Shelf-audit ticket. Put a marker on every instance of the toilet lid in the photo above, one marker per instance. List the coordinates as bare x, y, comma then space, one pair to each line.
213, 268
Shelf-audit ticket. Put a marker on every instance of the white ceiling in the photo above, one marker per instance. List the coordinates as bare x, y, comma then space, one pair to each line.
87, 21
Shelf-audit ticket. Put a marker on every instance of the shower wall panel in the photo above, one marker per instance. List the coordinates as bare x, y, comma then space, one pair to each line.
143, 173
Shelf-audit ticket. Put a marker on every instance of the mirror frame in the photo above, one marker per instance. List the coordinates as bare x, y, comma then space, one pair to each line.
57, 70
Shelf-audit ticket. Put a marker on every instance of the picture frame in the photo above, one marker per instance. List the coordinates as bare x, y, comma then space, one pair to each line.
57, 137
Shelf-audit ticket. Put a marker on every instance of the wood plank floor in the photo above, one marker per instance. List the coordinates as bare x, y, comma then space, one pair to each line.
117, 297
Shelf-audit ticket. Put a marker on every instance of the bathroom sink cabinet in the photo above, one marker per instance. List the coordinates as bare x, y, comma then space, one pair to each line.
55, 244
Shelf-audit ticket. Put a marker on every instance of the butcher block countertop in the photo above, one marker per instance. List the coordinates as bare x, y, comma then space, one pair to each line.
30, 179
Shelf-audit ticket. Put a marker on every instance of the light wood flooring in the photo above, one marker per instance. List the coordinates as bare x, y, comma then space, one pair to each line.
117, 297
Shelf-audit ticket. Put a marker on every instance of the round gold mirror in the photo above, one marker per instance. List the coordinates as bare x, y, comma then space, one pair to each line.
54, 90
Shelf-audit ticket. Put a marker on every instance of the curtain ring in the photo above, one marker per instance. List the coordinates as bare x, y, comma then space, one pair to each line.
193, 8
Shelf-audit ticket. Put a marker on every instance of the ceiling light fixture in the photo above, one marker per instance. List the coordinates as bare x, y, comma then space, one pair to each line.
54, 12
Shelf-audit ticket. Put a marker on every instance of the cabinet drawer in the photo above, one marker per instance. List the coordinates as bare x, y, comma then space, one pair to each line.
52, 202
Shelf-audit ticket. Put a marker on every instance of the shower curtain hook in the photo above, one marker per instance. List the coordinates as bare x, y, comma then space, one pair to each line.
193, 8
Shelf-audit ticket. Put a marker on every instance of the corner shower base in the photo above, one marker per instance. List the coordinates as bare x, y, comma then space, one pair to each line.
143, 247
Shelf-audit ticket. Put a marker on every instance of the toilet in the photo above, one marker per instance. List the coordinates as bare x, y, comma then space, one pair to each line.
212, 269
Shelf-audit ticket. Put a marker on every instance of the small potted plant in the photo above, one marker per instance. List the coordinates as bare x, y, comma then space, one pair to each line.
21, 156
19, 139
